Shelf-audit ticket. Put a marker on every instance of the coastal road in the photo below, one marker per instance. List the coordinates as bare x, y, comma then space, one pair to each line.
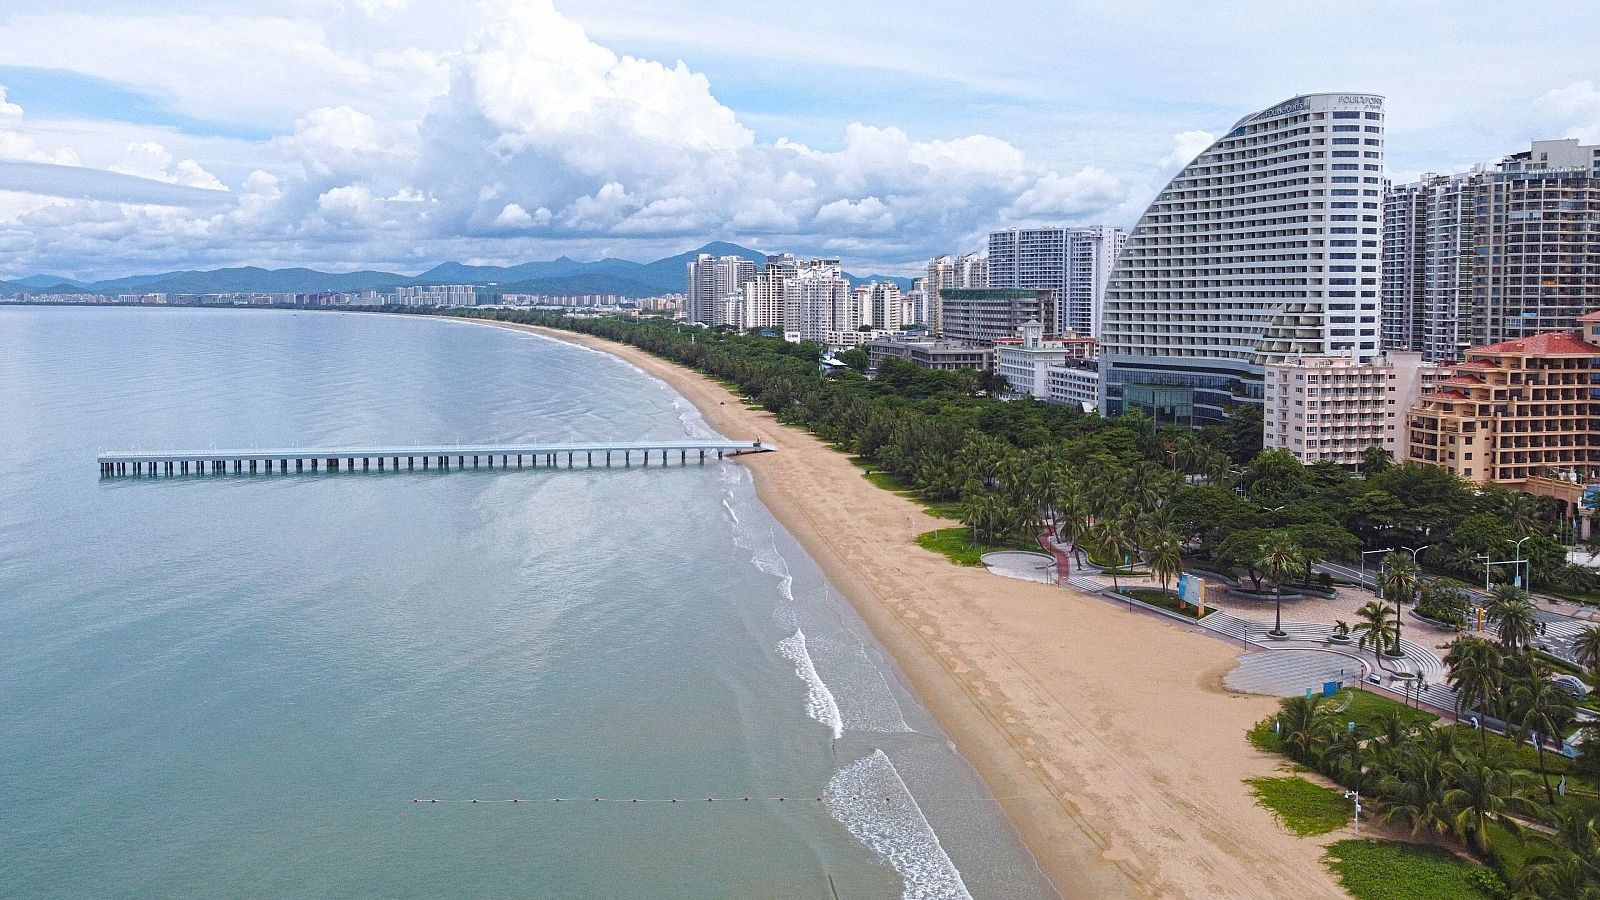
1559, 629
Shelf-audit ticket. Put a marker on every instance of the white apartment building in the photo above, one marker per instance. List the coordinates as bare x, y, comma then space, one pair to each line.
1075, 263
1266, 246
817, 300
762, 296
1334, 407
715, 285
437, 295
1494, 254
968, 271
1075, 383
885, 307
1024, 360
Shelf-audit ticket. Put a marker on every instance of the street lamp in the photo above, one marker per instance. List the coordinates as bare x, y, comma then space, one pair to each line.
1364, 554
1525, 578
1356, 796
1418, 563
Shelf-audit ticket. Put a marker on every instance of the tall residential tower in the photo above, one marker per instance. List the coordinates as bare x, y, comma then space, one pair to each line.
1494, 254
1074, 263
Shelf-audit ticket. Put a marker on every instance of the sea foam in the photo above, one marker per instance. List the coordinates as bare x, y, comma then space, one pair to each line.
896, 830
820, 703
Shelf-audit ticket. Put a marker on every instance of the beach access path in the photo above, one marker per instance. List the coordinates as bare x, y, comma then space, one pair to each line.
1121, 755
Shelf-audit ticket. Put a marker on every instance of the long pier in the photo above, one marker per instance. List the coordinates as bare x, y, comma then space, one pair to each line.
410, 459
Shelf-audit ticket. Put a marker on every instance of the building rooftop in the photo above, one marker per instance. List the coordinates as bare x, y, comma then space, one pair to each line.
1551, 343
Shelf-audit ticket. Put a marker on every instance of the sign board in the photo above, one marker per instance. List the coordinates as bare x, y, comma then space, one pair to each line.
1591, 496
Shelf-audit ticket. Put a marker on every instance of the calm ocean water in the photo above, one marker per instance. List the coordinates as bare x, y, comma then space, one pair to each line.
234, 686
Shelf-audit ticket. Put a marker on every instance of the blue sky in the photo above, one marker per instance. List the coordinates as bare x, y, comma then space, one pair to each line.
399, 133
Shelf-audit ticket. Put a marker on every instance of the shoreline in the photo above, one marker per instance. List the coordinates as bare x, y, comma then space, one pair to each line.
1120, 755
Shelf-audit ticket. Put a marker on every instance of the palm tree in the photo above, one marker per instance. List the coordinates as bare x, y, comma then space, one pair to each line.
1072, 513
1114, 540
1164, 556
1344, 758
985, 514
1546, 711
1559, 875
1302, 726
1586, 648
1375, 625
1513, 615
1279, 558
1415, 790
1398, 578
1482, 792
1477, 672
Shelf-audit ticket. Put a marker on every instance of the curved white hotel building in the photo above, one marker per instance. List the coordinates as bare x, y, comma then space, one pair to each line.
1266, 246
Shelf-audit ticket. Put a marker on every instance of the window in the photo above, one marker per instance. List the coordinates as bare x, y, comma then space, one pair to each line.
1346, 114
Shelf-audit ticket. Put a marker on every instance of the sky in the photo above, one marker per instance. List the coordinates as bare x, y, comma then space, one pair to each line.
397, 134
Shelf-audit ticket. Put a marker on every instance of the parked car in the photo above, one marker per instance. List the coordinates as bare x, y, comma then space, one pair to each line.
1571, 684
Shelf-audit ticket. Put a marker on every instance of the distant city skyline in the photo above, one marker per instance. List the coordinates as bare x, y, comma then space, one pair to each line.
352, 134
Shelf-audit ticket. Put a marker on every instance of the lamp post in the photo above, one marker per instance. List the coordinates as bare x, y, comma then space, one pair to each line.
1527, 578
1364, 554
1356, 796
1418, 563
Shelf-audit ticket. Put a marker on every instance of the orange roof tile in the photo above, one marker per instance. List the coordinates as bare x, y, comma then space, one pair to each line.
1551, 343
1590, 317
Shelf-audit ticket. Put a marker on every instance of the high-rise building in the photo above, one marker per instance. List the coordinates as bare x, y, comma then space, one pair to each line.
1493, 254
1075, 263
968, 271
433, 295
762, 296
715, 285
884, 306
1265, 246
1334, 408
816, 300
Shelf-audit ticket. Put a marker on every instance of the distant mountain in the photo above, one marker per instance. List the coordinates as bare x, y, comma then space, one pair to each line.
562, 275
35, 282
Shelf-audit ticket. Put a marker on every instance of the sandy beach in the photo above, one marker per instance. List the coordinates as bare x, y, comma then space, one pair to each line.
1109, 732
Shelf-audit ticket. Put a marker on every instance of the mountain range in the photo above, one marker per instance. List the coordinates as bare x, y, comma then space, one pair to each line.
562, 275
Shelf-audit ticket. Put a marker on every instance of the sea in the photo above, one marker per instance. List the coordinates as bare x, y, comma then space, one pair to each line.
378, 685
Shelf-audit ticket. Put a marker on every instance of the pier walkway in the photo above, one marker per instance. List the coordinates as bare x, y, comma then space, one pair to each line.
397, 459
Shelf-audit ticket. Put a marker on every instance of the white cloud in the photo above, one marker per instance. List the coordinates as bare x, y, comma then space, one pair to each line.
1056, 197
514, 216
148, 159
1573, 110
1186, 145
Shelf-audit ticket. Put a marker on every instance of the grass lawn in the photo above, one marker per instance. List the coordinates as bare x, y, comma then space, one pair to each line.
1385, 870
1163, 599
1364, 708
1263, 738
944, 509
956, 545
1303, 808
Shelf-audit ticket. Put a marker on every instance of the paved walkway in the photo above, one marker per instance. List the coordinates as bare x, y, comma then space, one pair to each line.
1290, 673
